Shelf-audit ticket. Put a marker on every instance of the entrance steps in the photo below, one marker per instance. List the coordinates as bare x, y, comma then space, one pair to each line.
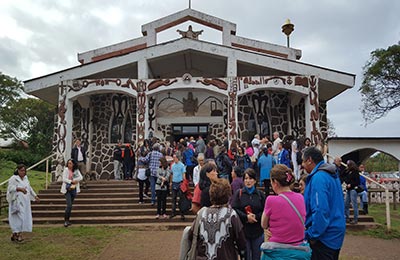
116, 203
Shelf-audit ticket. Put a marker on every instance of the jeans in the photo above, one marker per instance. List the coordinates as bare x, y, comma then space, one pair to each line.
69, 197
146, 190
351, 195
267, 185
322, 252
153, 180
161, 202
117, 169
176, 192
253, 251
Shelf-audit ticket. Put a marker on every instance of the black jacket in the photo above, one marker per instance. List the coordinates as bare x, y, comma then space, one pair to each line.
74, 153
256, 201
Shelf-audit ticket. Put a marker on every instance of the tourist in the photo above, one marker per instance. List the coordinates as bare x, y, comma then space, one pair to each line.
242, 160
78, 153
307, 143
237, 179
224, 164
141, 176
233, 150
189, 161
153, 161
129, 161
265, 164
70, 187
323, 196
221, 237
275, 145
283, 155
249, 149
210, 150
302, 183
162, 183
207, 172
364, 193
294, 158
117, 158
19, 196
200, 145
284, 215
352, 181
196, 170
178, 175
248, 203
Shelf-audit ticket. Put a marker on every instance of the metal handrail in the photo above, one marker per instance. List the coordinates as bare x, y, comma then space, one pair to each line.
387, 202
33, 166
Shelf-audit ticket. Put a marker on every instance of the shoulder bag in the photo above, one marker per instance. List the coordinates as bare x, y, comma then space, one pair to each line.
189, 253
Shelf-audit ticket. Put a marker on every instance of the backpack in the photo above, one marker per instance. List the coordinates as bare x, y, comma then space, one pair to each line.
220, 162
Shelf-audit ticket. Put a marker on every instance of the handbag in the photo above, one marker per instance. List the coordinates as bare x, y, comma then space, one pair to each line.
189, 253
70, 186
147, 172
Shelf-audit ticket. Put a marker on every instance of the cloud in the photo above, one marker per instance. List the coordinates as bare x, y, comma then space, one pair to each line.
44, 36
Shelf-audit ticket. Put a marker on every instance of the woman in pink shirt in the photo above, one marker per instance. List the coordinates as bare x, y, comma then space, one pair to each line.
284, 223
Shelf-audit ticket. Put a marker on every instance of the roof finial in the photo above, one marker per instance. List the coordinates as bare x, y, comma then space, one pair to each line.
190, 4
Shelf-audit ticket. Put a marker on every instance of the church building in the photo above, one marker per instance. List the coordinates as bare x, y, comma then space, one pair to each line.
140, 88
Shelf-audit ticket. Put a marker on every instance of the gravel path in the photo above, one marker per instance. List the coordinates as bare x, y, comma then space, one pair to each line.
165, 245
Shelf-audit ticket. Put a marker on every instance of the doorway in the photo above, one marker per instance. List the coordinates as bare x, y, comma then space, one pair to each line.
187, 130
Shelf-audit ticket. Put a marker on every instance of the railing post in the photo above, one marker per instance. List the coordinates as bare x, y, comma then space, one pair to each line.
47, 173
1, 201
388, 224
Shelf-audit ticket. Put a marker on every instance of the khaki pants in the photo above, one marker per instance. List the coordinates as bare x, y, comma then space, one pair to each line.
82, 169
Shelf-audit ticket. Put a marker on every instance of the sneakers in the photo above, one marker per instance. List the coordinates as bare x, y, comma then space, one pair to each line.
66, 224
353, 222
140, 202
165, 216
157, 216
146, 196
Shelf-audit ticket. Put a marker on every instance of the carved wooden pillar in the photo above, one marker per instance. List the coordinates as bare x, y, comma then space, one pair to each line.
232, 109
312, 111
141, 104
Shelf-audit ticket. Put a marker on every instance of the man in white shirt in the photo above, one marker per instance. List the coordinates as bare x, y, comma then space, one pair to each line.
275, 145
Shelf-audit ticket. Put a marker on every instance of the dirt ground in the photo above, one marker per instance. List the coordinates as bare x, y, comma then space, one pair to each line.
165, 245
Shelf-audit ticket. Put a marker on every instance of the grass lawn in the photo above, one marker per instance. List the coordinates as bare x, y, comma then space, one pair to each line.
57, 242
378, 211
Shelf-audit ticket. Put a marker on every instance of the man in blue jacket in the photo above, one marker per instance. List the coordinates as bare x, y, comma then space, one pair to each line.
325, 221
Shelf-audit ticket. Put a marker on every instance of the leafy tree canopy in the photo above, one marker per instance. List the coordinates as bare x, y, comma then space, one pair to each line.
10, 89
29, 119
380, 89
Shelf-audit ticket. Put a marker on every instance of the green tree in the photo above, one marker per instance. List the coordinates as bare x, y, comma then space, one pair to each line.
381, 162
380, 89
10, 89
29, 119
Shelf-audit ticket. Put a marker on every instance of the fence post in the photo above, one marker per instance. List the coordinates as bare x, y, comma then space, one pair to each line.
47, 173
1, 200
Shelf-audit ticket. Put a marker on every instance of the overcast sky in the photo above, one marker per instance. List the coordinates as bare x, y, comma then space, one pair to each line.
39, 37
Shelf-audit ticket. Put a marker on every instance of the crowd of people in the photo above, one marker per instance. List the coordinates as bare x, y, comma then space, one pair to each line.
300, 208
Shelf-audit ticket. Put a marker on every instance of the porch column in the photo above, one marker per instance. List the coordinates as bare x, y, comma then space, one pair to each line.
231, 67
312, 111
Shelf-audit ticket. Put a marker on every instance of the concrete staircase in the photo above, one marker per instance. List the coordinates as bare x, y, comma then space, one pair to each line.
104, 203
115, 203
